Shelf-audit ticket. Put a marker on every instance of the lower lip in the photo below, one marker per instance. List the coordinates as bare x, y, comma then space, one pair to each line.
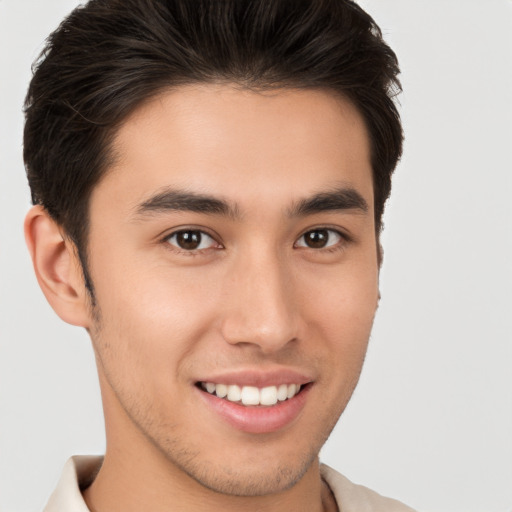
257, 419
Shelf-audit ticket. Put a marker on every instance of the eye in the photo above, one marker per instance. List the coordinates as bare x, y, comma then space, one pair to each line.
191, 240
319, 239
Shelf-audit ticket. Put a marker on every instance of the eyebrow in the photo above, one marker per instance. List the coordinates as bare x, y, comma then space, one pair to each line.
181, 200
339, 199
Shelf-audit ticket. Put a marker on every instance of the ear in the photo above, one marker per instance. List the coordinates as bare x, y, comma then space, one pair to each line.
57, 267
380, 258
380, 253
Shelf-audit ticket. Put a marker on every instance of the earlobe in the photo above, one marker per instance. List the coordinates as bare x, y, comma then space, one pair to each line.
57, 267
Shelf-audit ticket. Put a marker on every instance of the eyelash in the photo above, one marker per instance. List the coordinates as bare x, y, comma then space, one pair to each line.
340, 245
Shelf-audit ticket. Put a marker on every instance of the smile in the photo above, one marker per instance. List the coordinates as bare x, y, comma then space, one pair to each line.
252, 395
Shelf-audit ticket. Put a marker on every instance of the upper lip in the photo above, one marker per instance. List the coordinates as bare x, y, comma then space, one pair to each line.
258, 378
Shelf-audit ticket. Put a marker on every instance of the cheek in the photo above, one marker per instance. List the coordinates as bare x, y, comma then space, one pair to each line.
150, 319
340, 308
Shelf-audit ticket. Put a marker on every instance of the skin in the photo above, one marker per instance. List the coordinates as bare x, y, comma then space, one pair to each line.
254, 297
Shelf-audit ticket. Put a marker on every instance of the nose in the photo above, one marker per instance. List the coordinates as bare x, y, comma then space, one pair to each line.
261, 306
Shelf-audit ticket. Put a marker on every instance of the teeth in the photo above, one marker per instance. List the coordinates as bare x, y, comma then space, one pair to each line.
221, 390
251, 395
269, 396
282, 392
234, 393
292, 390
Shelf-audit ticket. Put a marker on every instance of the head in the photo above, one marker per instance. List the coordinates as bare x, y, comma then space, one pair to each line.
255, 141
109, 57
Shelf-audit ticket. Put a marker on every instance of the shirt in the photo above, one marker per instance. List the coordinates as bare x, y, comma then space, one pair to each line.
80, 471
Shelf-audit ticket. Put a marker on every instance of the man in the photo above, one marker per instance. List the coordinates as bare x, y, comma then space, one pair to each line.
209, 180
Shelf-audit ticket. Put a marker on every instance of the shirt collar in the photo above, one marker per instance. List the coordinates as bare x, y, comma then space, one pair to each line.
78, 473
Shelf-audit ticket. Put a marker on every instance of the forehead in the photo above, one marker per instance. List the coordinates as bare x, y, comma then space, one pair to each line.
220, 139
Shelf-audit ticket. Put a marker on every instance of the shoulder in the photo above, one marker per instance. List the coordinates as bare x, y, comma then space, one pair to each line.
351, 497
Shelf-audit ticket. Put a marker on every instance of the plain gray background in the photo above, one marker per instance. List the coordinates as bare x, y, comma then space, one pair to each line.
431, 420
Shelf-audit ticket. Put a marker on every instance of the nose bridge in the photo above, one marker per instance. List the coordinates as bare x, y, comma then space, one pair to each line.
262, 308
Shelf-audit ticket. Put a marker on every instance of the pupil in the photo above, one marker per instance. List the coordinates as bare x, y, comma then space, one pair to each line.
189, 239
317, 239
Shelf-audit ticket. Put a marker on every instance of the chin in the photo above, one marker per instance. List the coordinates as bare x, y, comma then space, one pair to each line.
250, 478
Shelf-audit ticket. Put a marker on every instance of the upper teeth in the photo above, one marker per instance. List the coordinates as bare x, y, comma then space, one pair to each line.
251, 395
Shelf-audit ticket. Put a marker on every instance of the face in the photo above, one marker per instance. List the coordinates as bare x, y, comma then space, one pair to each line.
233, 254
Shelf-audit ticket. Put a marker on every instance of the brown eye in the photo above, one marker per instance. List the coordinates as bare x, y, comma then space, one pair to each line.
319, 239
191, 240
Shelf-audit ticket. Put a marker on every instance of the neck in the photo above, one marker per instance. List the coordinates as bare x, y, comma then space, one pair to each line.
129, 485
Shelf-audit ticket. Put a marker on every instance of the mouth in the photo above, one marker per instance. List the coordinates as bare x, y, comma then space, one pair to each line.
254, 409
252, 396
256, 401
